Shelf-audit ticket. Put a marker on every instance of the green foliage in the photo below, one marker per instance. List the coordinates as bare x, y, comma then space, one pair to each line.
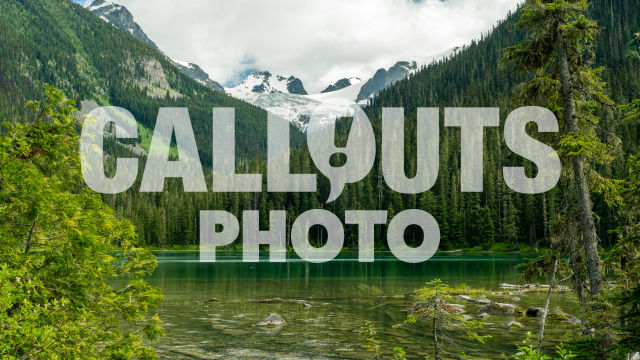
399, 353
551, 23
624, 260
369, 340
528, 351
432, 310
61, 249
631, 110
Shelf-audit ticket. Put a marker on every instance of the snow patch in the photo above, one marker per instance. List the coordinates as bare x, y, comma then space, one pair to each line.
183, 63
103, 4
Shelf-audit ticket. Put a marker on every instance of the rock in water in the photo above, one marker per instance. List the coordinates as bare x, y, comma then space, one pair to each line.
483, 301
535, 312
514, 324
465, 298
498, 309
272, 320
558, 315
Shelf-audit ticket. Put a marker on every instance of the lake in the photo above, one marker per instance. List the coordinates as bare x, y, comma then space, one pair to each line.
343, 294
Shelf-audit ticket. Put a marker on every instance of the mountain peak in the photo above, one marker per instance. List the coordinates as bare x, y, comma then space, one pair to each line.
120, 17
341, 84
260, 82
98, 4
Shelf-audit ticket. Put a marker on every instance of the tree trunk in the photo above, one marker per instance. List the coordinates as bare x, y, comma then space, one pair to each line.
27, 243
575, 268
435, 339
589, 236
545, 226
546, 306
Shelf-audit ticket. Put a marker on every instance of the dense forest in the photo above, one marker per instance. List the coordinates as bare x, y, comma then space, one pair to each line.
87, 62
475, 76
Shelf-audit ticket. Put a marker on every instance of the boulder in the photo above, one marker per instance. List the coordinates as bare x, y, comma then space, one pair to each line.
495, 308
213, 300
467, 317
272, 320
483, 301
515, 298
484, 316
535, 312
306, 306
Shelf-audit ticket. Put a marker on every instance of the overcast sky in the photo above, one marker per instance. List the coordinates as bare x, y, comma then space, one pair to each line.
319, 41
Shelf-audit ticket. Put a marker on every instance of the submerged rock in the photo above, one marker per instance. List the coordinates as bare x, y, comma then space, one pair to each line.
272, 320
558, 315
306, 305
514, 324
213, 300
484, 316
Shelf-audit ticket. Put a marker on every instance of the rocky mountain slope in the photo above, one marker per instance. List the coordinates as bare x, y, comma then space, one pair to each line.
120, 17
341, 84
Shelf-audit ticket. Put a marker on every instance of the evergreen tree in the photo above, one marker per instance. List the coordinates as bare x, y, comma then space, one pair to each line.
60, 249
561, 35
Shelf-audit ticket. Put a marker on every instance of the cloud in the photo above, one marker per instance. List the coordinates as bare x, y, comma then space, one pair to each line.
319, 41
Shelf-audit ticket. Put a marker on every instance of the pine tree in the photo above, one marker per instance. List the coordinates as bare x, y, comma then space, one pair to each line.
561, 37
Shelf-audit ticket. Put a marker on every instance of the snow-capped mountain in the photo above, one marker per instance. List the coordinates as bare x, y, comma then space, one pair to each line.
341, 84
261, 82
277, 95
286, 97
120, 17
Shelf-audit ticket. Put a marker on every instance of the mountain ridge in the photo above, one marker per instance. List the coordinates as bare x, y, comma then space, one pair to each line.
119, 16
